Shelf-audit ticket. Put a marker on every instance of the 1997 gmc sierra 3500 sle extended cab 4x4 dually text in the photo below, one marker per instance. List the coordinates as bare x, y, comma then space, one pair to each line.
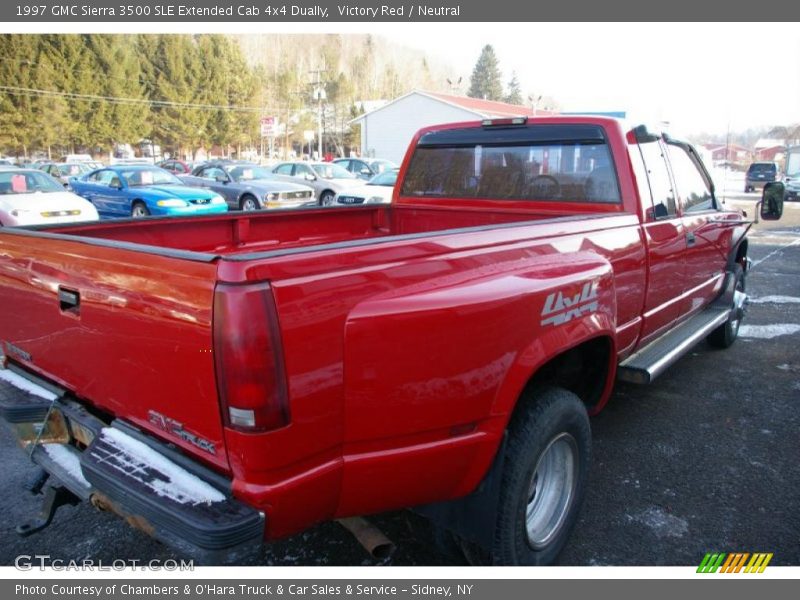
222, 380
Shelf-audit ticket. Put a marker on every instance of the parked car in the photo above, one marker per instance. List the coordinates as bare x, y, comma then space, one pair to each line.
247, 186
64, 171
81, 158
327, 179
139, 190
377, 190
175, 166
31, 197
365, 168
759, 173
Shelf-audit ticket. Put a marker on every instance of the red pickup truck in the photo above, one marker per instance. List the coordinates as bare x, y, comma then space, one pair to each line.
223, 380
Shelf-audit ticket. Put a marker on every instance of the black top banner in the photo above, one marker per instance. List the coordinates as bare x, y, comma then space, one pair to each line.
326, 11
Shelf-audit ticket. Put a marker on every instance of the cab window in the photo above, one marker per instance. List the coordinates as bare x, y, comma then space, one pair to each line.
664, 204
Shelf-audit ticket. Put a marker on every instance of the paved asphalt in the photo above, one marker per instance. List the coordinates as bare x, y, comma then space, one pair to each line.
705, 459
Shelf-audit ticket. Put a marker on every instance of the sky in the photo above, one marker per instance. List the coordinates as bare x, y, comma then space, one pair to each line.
698, 77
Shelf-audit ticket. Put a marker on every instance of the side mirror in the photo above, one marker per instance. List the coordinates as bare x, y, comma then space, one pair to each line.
772, 201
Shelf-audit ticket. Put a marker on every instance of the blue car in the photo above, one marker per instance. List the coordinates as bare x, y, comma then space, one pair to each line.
142, 190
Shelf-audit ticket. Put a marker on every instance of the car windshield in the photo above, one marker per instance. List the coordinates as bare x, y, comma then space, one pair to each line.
140, 177
27, 182
379, 166
387, 178
762, 168
73, 170
248, 172
332, 171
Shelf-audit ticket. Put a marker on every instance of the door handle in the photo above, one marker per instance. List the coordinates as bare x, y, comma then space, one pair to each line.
69, 301
690, 240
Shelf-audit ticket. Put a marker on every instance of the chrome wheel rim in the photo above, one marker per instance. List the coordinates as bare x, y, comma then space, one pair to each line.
139, 211
327, 200
551, 490
248, 204
739, 304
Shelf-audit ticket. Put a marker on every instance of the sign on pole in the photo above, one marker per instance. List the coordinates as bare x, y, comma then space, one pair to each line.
267, 126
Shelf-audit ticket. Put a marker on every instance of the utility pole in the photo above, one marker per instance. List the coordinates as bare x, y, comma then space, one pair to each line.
318, 94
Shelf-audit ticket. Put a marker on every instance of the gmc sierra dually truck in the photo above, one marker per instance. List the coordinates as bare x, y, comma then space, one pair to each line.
220, 381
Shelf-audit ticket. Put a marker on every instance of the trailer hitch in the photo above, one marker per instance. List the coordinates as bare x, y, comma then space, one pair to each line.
54, 497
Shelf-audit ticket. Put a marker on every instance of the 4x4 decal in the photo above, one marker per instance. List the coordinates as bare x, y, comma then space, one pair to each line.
560, 308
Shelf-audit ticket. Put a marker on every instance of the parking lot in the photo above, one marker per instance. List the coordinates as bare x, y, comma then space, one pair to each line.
704, 459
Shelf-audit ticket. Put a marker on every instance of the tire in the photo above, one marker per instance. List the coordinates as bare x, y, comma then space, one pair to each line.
139, 209
326, 198
724, 335
543, 480
248, 203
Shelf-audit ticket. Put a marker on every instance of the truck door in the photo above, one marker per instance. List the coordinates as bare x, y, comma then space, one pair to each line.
707, 234
664, 237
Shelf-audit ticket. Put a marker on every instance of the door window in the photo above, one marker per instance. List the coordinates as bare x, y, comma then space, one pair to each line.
664, 204
692, 186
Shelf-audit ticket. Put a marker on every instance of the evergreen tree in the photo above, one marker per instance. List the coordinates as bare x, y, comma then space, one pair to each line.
485, 81
514, 95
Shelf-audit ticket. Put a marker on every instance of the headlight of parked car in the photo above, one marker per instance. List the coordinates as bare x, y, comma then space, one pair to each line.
172, 202
272, 196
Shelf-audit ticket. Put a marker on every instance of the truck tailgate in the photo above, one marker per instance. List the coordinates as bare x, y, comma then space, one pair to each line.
127, 331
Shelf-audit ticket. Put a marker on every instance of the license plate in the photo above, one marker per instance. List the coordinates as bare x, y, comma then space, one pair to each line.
349, 200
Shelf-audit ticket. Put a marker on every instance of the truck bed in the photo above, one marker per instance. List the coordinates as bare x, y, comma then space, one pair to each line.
276, 231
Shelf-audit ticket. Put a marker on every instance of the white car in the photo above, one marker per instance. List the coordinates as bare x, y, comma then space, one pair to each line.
377, 190
30, 197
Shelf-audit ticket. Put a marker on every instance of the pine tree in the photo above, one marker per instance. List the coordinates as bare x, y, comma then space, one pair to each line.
514, 95
485, 81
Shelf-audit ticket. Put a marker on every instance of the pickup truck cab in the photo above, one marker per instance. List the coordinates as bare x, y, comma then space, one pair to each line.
222, 380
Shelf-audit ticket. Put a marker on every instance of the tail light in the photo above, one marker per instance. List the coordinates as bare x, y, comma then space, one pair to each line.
251, 380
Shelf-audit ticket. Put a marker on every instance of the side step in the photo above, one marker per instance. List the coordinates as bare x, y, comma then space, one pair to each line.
652, 360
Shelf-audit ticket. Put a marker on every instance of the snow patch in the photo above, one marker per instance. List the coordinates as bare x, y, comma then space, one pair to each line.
139, 458
23, 384
766, 332
661, 522
775, 300
68, 461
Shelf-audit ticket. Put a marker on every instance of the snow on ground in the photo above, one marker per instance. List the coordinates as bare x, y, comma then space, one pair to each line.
67, 460
766, 332
139, 458
775, 300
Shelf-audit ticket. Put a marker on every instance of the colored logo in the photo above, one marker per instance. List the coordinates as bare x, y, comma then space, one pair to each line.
735, 562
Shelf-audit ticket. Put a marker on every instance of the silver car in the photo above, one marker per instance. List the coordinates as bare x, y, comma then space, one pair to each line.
63, 171
247, 186
327, 179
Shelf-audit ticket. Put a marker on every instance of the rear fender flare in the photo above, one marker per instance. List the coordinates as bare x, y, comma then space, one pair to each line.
553, 340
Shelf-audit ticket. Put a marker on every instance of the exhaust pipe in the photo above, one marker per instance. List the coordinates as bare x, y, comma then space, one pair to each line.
370, 537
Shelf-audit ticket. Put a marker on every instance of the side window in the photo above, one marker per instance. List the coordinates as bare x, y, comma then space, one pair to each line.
691, 184
301, 170
284, 169
664, 204
105, 177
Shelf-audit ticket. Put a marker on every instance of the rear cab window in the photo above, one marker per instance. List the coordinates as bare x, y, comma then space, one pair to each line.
542, 162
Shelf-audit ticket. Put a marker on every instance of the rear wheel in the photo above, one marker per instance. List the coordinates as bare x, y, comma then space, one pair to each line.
543, 480
139, 210
248, 203
724, 335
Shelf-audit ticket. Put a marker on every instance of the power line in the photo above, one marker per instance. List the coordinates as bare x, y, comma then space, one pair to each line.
23, 91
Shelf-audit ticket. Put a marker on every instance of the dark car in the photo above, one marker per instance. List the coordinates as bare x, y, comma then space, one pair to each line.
760, 173
175, 166
247, 186
365, 168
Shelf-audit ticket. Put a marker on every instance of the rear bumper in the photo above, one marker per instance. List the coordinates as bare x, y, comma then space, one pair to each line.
150, 485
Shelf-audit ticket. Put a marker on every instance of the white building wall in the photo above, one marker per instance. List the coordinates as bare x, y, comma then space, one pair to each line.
387, 132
